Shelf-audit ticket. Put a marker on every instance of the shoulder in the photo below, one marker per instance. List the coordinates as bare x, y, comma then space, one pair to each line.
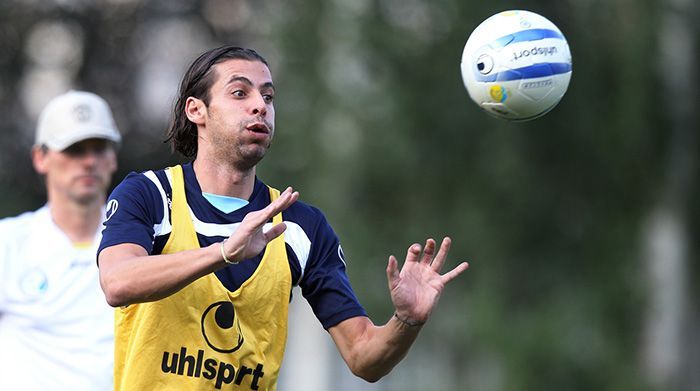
300, 213
304, 214
146, 181
309, 234
309, 219
24, 221
142, 187
17, 229
137, 210
140, 194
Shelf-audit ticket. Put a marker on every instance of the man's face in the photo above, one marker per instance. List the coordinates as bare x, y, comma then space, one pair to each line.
80, 173
240, 117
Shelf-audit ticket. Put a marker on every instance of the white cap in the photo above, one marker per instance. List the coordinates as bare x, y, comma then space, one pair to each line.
75, 116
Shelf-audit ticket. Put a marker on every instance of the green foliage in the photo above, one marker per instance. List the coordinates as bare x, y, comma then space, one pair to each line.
375, 128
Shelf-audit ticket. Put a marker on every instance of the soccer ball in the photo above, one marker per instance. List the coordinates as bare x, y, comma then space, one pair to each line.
516, 65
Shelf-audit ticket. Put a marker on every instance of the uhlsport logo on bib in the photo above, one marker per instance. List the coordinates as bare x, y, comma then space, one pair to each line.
221, 331
222, 316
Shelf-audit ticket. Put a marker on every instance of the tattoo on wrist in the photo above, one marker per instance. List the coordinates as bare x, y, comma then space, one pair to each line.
408, 322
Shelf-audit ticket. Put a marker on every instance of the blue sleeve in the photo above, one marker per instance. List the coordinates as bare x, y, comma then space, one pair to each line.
325, 284
134, 208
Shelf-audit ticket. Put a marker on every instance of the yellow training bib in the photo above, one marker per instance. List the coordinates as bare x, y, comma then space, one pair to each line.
205, 336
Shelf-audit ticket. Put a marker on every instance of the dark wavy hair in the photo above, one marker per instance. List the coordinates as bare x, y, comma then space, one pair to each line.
196, 83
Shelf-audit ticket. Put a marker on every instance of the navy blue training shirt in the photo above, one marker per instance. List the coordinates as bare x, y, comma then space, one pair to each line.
138, 212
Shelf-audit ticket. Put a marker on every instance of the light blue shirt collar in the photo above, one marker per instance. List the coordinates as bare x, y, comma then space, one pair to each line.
224, 203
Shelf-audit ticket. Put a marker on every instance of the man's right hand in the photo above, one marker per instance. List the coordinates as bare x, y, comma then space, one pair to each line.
249, 239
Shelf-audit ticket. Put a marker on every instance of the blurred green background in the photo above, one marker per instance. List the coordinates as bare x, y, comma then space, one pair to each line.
579, 226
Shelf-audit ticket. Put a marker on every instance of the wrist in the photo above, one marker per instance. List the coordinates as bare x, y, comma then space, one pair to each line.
408, 321
223, 254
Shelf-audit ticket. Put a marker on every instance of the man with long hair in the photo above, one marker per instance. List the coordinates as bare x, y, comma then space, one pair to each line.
201, 258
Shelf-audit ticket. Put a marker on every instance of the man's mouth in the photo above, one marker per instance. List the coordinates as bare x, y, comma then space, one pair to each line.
258, 127
90, 179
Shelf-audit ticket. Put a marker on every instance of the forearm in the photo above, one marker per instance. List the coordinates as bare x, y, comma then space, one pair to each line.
375, 350
139, 277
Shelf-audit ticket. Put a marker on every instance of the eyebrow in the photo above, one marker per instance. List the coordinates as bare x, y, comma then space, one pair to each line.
245, 80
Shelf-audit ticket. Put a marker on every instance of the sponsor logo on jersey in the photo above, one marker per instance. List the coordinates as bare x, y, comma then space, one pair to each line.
221, 331
182, 364
34, 283
222, 316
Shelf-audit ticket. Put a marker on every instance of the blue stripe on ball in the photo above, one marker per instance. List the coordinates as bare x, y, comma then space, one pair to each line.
529, 72
525, 36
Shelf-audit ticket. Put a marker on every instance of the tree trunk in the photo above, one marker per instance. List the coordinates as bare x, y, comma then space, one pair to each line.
666, 249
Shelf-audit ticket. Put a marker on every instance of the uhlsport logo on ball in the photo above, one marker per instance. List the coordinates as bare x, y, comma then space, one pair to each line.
516, 65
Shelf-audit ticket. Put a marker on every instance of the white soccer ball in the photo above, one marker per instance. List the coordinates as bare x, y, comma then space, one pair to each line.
516, 65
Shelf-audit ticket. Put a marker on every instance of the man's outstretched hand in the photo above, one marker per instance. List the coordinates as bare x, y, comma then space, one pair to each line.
249, 239
416, 288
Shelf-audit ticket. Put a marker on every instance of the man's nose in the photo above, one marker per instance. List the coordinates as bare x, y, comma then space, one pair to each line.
260, 106
90, 156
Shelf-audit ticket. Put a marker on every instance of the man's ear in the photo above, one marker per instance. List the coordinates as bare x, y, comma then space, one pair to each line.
196, 110
39, 159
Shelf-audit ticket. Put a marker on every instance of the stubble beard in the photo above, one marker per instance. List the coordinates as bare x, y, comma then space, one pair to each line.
86, 197
244, 156
248, 156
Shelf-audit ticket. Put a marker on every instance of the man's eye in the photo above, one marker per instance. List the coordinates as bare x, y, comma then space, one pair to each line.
82, 150
75, 150
238, 93
268, 97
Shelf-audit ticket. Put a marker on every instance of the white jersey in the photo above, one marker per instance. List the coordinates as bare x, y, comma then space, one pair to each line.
56, 329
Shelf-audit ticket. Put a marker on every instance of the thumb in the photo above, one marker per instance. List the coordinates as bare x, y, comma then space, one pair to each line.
392, 272
274, 231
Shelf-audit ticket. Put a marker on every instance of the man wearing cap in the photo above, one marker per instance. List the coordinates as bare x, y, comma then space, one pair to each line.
56, 331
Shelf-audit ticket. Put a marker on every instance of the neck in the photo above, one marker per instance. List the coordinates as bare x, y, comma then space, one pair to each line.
79, 222
225, 180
